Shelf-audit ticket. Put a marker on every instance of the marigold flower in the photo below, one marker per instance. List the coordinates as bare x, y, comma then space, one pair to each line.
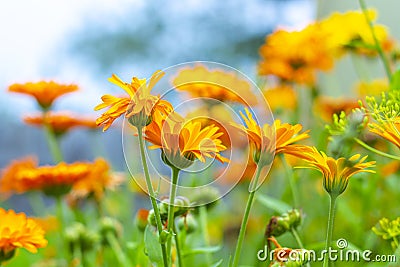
215, 84
44, 92
336, 172
272, 139
18, 231
60, 122
25, 175
139, 105
389, 130
372, 88
295, 56
325, 107
281, 97
184, 141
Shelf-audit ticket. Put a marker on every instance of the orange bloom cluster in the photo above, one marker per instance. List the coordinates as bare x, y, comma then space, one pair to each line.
18, 231
60, 122
44, 92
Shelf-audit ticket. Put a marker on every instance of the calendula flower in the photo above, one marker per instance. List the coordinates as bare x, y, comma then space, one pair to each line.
389, 130
337, 172
272, 139
295, 56
372, 88
325, 107
281, 97
25, 175
184, 141
96, 182
44, 92
60, 122
18, 231
215, 84
138, 105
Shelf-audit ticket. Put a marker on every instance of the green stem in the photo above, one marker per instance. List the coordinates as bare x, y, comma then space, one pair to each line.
60, 215
178, 248
377, 44
152, 195
376, 150
121, 257
204, 230
52, 140
329, 231
297, 237
245, 219
172, 194
77, 253
290, 176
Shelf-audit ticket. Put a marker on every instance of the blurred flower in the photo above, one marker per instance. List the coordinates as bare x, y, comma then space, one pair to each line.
325, 107
138, 105
18, 231
141, 218
184, 141
60, 122
295, 56
24, 175
287, 256
389, 130
272, 139
282, 97
96, 182
215, 84
390, 168
44, 92
48, 224
350, 32
372, 88
389, 230
337, 172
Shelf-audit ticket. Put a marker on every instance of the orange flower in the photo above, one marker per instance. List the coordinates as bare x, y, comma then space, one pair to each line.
18, 231
295, 56
215, 84
96, 182
24, 175
44, 92
60, 122
325, 107
183, 141
139, 105
336, 172
372, 88
272, 139
281, 98
389, 130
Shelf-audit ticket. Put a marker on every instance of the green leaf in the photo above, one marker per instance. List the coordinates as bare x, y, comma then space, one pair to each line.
203, 250
153, 246
395, 81
217, 264
274, 204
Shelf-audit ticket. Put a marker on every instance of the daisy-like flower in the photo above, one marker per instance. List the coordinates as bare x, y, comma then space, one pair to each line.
138, 105
184, 141
60, 122
325, 107
215, 84
44, 92
25, 175
389, 130
282, 97
18, 231
272, 139
337, 172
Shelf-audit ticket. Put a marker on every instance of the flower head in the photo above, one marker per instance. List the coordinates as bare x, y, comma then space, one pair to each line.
337, 172
44, 92
281, 98
215, 84
389, 130
138, 105
326, 107
60, 122
184, 141
18, 231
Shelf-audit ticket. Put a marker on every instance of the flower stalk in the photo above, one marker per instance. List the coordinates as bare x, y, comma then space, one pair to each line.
329, 231
171, 206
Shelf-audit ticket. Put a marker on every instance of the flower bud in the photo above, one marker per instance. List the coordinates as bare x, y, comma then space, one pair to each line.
278, 225
142, 218
109, 225
187, 223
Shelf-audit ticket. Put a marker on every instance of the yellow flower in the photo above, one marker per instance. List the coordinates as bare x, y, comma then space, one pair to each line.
372, 88
336, 172
184, 141
44, 92
215, 84
325, 107
281, 98
389, 130
60, 122
24, 175
139, 105
351, 31
18, 231
295, 56
272, 139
